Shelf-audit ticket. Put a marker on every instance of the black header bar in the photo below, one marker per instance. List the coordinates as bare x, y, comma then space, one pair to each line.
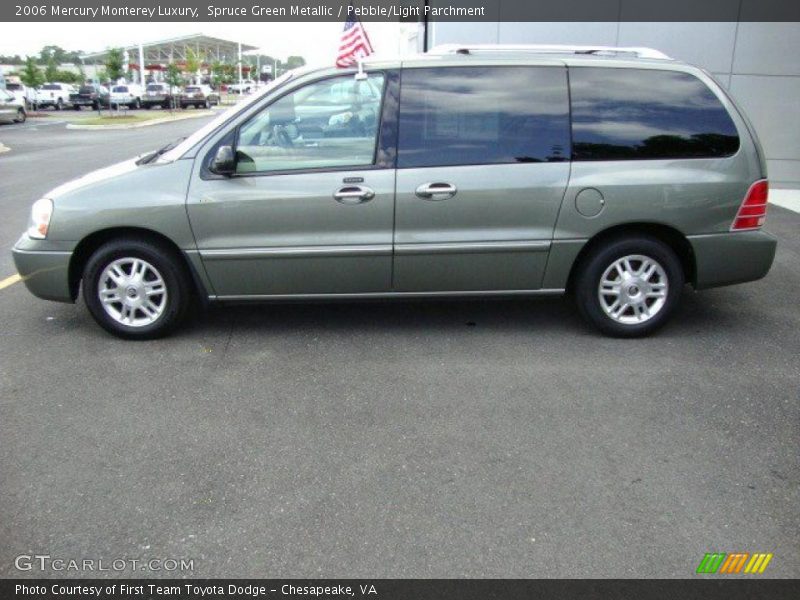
399, 10
714, 588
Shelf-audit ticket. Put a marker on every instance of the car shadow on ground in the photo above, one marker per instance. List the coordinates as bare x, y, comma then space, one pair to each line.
546, 315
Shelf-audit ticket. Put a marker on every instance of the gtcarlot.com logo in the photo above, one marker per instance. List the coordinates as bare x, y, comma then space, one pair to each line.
723, 563
45, 562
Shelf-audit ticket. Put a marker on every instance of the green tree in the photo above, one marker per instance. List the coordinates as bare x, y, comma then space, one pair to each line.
193, 63
113, 64
7, 59
294, 62
174, 79
31, 74
52, 54
51, 70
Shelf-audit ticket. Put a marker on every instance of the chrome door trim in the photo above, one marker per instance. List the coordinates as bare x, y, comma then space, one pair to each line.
297, 252
390, 295
471, 247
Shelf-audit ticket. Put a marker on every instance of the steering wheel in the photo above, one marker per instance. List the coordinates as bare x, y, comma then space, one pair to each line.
282, 137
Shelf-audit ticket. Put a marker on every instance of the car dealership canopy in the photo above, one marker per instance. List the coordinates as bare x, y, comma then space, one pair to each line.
160, 53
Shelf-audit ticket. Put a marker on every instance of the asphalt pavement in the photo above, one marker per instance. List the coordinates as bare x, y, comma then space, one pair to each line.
393, 439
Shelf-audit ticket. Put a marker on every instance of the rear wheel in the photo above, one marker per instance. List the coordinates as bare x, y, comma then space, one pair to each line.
136, 289
21, 116
137, 104
59, 104
629, 287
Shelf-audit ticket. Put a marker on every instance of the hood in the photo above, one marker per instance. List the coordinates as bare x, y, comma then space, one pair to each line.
95, 177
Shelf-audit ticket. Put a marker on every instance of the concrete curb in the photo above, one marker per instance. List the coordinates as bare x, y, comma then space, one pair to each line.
142, 124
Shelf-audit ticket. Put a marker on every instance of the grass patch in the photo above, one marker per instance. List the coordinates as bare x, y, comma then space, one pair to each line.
126, 119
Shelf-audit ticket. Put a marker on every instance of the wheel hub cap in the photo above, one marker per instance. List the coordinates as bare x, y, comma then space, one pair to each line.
132, 292
633, 289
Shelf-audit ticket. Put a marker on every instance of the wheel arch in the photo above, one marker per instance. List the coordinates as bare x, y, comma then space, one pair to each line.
672, 237
89, 244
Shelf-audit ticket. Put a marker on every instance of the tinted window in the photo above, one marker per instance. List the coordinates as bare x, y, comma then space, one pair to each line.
624, 114
51, 86
154, 87
326, 124
192, 89
483, 115
86, 89
13, 86
120, 89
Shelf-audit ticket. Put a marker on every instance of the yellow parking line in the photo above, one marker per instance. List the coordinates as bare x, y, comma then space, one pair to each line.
9, 281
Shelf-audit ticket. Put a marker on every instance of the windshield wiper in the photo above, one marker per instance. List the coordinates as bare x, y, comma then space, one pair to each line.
150, 157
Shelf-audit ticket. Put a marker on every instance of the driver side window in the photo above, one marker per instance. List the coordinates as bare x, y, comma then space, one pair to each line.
327, 124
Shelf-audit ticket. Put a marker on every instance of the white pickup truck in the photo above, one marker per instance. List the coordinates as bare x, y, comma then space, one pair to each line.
53, 94
21, 92
244, 87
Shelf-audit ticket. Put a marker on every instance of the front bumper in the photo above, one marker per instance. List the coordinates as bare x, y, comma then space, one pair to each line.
44, 268
735, 257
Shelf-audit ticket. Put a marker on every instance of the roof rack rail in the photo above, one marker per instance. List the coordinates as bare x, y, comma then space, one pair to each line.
637, 52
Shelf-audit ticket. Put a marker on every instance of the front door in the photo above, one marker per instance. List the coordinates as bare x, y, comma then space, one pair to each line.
310, 207
483, 164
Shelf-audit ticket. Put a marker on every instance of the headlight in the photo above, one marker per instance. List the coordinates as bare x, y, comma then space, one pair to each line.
41, 212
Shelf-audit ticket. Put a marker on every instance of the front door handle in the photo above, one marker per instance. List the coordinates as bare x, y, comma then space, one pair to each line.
436, 191
354, 194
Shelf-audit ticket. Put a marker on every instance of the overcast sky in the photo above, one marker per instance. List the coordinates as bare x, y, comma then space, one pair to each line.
317, 42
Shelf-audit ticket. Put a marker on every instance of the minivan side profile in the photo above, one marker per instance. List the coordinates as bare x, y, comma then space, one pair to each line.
615, 176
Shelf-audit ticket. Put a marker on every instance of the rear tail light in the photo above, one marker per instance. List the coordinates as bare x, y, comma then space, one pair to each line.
753, 211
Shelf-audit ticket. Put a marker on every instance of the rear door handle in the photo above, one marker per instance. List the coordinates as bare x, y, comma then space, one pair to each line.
354, 194
436, 191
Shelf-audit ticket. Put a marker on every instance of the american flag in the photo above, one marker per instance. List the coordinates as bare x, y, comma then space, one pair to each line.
355, 43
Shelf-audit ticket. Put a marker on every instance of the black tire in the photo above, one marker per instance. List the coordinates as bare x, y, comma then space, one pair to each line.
77, 107
59, 104
206, 105
591, 270
148, 106
172, 270
21, 116
137, 104
95, 106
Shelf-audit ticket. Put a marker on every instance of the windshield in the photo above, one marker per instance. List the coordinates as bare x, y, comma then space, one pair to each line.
201, 133
87, 89
120, 88
155, 87
13, 86
192, 89
50, 86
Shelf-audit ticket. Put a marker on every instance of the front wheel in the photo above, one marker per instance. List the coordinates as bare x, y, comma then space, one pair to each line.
21, 116
630, 286
59, 104
135, 289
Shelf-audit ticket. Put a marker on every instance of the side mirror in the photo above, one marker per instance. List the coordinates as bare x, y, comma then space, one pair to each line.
224, 162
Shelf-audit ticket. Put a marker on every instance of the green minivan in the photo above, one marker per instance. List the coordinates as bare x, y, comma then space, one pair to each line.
617, 175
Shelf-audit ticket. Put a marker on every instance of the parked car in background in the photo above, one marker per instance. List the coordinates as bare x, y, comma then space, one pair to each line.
199, 96
244, 87
127, 94
617, 176
92, 95
21, 92
56, 95
159, 94
12, 110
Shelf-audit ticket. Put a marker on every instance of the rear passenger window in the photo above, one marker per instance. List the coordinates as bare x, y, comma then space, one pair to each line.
483, 115
637, 114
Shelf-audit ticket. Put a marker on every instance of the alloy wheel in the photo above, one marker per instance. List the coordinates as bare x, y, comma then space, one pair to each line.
132, 292
633, 289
